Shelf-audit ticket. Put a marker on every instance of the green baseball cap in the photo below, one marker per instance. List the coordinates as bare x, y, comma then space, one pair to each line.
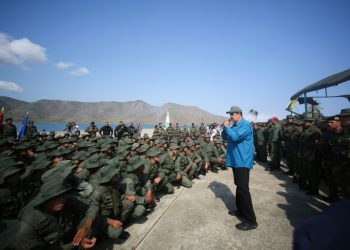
234, 109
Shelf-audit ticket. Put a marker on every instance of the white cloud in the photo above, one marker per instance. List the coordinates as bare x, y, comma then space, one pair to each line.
64, 65
10, 86
19, 51
79, 72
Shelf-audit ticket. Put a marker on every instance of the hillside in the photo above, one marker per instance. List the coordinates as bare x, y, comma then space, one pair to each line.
136, 111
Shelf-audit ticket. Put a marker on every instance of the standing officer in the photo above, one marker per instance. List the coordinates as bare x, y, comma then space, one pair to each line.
9, 130
92, 129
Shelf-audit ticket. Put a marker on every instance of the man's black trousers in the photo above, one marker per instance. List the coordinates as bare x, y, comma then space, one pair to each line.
243, 198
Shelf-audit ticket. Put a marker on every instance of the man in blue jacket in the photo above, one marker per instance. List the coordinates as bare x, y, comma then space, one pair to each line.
239, 134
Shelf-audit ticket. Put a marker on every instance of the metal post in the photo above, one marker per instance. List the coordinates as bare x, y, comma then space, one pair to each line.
305, 102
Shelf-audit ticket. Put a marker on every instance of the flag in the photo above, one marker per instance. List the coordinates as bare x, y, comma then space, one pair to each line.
1, 118
23, 130
290, 106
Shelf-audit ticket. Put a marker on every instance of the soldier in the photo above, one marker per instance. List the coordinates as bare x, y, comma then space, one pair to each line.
288, 130
340, 150
185, 131
276, 137
158, 179
10, 189
194, 133
120, 130
92, 129
31, 129
185, 166
310, 141
31, 183
106, 130
219, 155
52, 219
9, 130
260, 143
170, 132
131, 129
167, 166
202, 130
114, 210
137, 188
208, 148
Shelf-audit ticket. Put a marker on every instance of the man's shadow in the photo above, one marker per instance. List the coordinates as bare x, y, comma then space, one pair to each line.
222, 192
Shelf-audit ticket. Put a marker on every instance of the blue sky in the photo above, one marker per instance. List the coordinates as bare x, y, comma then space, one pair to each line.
210, 54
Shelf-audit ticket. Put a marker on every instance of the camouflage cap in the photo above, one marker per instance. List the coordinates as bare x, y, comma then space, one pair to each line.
41, 164
8, 171
123, 148
24, 146
136, 136
93, 150
93, 162
80, 155
125, 134
153, 152
144, 148
308, 118
174, 146
183, 146
218, 142
334, 118
134, 163
190, 144
145, 136
135, 146
105, 148
345, 112
62, 170
49, 190
107, 173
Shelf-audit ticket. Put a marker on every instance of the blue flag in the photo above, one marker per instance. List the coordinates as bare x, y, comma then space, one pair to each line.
23, 130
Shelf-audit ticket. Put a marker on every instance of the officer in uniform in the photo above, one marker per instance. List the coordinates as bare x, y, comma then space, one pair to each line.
275, 140
202, 129
288, 130
310, 142
92, 129
31, 129
9, 130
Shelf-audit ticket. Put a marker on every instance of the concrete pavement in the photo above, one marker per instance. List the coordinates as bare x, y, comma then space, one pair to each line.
197, 218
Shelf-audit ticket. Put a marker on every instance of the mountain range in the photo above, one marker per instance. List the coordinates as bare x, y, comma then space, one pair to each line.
131, 111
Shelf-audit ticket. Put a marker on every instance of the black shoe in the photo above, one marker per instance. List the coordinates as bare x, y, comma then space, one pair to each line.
122, 237
236, 213
245, 226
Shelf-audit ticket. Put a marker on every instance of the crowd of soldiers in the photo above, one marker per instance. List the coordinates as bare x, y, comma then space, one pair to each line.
314, 150
75, 190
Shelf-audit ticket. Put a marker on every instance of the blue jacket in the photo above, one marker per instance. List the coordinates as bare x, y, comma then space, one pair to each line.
240, 147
